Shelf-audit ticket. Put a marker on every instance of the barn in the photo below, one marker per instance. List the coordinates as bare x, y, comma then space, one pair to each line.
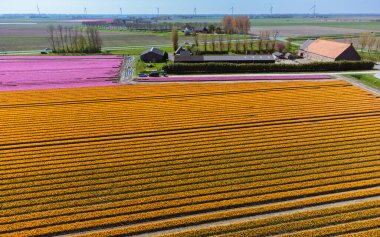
152, 55
327, 50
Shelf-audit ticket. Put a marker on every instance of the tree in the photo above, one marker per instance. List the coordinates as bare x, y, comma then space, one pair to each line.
371, 42
212, 40
242, 24
221, 43
196, 40
51, 30
237, 44
229, 42
252, 44
175, 38
280, 47
245, 43
227, 24
377, 46
288, 46
204, 37
211, 29
165, 57
363, 40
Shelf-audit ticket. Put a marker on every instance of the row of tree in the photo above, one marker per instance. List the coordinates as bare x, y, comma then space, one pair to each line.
211, 43
147, 25
369, 41
65, 39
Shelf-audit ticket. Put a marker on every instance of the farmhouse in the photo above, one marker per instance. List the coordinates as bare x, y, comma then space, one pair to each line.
225, 59
152, 55
326, 50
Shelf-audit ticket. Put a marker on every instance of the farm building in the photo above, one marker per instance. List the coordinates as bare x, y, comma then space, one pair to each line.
225, 59
152, 55
182, 52
326, 50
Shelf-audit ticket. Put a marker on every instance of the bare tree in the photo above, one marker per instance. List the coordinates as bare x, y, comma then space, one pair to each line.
371, 42
229, 43
237, 44
252, 43
363, 41
227, 24
196, 40
245, 43
204, 37
377, 46
221, 42
212, 41
51, 30
60, 32
175, 38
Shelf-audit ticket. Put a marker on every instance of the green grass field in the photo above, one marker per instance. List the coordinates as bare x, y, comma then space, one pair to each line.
368, 79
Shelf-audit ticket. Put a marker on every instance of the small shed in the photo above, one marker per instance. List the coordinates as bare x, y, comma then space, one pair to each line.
278, 55
289, 56
152, 55
183, 52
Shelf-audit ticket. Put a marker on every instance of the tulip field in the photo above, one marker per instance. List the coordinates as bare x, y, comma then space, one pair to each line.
291, 158
46, 72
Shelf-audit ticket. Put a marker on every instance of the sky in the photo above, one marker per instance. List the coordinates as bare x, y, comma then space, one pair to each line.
187, 6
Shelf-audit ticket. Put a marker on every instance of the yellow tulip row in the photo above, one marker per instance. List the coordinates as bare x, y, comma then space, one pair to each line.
22, 97
231, 214
149, 143
323, 222
260, 145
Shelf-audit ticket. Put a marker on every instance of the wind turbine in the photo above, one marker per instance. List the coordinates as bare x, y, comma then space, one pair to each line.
158, 11
38, 10
195, 11
121, 11
85, 11
314, 9
271, 10
232, 10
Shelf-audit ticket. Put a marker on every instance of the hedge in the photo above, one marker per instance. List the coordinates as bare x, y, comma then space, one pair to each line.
220, 68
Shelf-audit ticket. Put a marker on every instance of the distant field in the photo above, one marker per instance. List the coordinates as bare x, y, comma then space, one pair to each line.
34, 37
294, 158
330, 22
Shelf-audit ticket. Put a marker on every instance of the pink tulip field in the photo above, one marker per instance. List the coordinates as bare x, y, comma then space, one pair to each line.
45, 72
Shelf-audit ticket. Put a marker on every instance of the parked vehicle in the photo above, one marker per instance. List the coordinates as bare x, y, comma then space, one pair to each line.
154, 74
46, 51
142, 75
